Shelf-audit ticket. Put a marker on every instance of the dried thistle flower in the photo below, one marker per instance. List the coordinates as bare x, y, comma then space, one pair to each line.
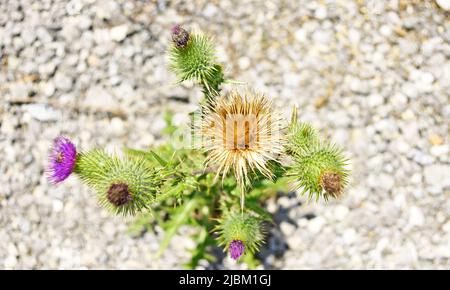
331, 182
242, 133
180, 36
62, 159
118, 194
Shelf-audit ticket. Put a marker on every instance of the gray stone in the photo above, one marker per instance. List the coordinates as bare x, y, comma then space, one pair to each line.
43, 112
210, 10
99, 99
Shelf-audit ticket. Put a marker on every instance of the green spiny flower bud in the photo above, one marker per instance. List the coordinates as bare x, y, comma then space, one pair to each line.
192, 57
124, 185
301, 137
238, 232
319, 171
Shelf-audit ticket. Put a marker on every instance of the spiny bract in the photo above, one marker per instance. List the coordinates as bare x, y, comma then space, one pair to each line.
301, 137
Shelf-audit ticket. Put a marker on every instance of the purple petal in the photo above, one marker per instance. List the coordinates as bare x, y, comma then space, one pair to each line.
236, 249
62, 159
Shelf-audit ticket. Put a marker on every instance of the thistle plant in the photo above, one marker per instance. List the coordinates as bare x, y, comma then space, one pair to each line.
242, 154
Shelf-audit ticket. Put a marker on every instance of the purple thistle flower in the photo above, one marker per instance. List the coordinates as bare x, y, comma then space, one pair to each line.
236, 249
62, 159
180, 36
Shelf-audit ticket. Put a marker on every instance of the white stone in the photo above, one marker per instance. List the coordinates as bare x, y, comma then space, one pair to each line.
106, 9
244, 63
316, 224
444, 4
340, 212
437, 175
210, 10
294, 242
300, 35
48, 89
292, 79
284, 202
349, 236
407, 255
158, 126
57, 205
321, 12
440, 150
63, 82
385, 181
375, 100
43, 112
416, 217
99, 99
118, 33
181, 119
117, 126
19, 91
287, 228
446, 227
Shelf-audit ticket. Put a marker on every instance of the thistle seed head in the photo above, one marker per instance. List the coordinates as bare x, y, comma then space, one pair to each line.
242, 133
118, 194
180, 36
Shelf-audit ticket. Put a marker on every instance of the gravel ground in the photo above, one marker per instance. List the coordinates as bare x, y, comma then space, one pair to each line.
372, 75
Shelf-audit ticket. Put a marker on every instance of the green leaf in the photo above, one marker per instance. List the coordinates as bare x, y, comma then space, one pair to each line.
150, 155
161, 161
176, 222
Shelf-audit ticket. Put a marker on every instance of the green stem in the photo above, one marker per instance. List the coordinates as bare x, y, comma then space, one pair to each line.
211, 84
